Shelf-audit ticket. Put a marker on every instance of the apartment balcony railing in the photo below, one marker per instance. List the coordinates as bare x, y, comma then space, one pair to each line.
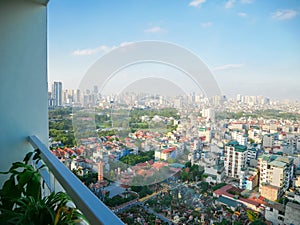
58, 174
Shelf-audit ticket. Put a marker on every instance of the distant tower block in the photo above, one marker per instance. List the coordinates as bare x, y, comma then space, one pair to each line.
100, 171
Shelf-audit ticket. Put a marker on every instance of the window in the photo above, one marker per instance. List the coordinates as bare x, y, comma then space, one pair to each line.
280, 218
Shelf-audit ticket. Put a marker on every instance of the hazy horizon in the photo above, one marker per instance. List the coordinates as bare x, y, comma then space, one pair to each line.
251, 47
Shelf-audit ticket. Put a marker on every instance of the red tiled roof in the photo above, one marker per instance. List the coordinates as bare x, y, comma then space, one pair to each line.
168, 150
158, 165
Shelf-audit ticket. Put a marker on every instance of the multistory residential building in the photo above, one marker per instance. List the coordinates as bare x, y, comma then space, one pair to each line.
276, 172
282, 214
251, 154
249, 178
236, 126
235, 159
205, 134
165, 154
214, 174
208, 113
268, 141
242, 139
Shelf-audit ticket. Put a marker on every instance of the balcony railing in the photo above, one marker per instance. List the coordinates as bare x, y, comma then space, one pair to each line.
93, 209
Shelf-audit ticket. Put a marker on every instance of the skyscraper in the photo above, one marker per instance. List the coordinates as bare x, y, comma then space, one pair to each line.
57, 93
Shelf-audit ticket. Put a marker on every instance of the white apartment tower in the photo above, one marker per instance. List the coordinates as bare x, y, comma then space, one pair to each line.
235, 159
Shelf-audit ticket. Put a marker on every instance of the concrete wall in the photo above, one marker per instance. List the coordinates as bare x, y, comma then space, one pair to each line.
292, 213
277, 174
272, 215
23, 78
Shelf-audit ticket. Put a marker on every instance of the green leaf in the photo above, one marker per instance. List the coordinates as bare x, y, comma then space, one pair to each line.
24, 178
33, 187
19, 165
9, 193
27, 157
37, 154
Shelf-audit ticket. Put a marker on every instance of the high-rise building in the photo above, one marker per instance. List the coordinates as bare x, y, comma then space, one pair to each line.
235, 159
208, 113
57, 93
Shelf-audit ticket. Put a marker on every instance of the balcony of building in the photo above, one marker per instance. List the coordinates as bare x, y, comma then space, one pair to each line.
24, 106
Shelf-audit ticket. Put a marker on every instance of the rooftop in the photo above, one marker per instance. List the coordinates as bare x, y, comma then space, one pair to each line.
227, 201
277, 164
293, 205
275, 205
237, 146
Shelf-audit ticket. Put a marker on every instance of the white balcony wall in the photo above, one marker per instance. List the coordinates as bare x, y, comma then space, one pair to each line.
23, 78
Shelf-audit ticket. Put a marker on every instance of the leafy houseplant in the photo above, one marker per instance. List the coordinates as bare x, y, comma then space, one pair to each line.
21, 201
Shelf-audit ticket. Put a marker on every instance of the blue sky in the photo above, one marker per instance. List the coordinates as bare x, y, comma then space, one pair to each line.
252, 46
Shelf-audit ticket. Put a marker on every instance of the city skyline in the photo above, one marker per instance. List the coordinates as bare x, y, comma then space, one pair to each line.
251, 47
135, 90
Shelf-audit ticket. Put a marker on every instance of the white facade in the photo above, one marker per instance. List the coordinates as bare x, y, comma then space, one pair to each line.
283, 214
208, 113
251, 154
274, 212
235, 158
268, 141
205, 133
242, 139
214, 175
23, 66
276, 171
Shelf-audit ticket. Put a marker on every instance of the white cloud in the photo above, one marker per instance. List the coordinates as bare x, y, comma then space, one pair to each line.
206, 24
229, 4
242, 14
154, 30
228, 66
125, 43
246, 1
101, 49
197, 3
91, 51
285, 14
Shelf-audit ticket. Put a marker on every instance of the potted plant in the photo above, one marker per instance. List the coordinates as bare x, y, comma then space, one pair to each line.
21, 201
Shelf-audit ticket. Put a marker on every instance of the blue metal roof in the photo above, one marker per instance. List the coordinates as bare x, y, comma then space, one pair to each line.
227, 201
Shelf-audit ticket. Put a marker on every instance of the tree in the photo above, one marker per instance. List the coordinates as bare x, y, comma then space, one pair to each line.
204, 186
252, 216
